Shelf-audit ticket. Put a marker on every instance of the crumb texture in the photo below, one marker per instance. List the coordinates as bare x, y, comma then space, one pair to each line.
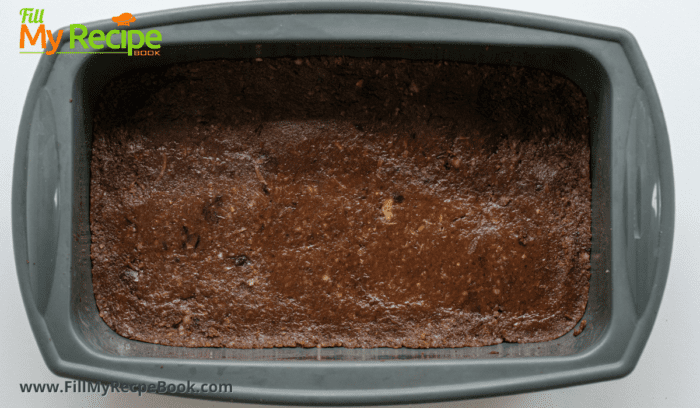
340, 202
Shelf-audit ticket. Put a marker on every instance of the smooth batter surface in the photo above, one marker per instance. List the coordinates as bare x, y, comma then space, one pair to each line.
340, 202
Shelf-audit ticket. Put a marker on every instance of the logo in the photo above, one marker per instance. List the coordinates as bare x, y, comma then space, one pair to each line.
124, 19
115, 41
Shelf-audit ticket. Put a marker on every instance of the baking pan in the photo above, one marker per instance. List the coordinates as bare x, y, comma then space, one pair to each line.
633, 203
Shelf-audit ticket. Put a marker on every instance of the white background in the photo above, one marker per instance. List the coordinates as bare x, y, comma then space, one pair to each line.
667, 374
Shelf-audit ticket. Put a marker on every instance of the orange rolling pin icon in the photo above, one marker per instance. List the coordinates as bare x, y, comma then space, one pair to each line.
124, 19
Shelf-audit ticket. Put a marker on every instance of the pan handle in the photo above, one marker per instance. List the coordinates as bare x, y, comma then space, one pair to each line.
43, 197
643, 202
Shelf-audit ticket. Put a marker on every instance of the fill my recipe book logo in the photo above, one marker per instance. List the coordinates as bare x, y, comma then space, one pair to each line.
114, 41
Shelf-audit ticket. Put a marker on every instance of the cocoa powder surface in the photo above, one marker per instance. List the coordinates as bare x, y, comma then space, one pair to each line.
340, 202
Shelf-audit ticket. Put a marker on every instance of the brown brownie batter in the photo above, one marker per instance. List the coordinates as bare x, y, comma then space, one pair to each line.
340, 202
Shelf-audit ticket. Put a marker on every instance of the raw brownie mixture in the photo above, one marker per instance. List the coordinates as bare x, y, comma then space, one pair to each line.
340, 202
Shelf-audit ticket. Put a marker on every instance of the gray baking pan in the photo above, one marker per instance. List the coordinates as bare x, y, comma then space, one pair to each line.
633, 203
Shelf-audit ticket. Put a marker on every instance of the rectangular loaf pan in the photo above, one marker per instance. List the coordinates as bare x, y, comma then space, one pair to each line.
633, 203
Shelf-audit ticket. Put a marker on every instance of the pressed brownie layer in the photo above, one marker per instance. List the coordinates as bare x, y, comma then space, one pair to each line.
340, 202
